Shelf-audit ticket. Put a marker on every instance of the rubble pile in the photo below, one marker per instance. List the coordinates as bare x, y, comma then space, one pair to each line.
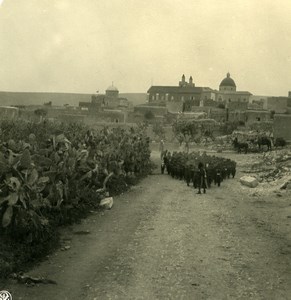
273, 175
272, 169
280, 161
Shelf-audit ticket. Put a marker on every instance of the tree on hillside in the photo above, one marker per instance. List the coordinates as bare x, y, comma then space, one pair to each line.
149, 115
194, 130
229, 126
159, 130
184, 127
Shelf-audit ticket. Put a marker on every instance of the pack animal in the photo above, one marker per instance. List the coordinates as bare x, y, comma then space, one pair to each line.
240, 146
265, 141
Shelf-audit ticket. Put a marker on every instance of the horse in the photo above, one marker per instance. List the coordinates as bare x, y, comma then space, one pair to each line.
240, 146
264, 141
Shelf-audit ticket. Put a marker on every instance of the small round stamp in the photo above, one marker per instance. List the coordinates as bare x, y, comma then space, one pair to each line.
5, 295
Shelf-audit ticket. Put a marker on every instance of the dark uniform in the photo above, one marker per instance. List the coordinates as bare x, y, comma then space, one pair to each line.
186, 167
188, 170
202, 178
218, 177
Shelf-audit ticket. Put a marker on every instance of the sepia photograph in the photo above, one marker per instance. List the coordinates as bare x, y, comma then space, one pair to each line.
145, 149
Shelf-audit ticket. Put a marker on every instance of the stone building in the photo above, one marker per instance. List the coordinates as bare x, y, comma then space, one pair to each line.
277, 104
9, 112
177, 98
225, 104
227, 92
258, 101
282, 125
253, 116
109, 100
237, 105
108, 107
187, 96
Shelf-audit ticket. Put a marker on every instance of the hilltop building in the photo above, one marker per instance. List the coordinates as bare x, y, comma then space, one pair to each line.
179, 98
227, 92
108, 107
277, 104
109, 100
187, 96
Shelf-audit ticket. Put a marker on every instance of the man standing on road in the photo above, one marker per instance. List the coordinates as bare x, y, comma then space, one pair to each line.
161, 148
218, 176
202, 178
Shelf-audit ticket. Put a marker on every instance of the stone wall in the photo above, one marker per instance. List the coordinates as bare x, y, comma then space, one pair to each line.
174, 106
237, 105
257, 116
282, 126
156, 110
277, 104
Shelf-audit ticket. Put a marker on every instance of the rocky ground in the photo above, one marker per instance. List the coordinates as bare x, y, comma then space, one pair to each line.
163, 241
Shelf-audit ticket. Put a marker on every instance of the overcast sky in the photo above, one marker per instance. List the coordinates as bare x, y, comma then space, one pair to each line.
84, 45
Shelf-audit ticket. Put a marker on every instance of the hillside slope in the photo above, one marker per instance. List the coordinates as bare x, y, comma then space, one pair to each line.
36, 98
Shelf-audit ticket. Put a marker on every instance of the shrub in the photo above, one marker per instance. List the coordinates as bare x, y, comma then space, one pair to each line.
280, 142
149, 115
53, 173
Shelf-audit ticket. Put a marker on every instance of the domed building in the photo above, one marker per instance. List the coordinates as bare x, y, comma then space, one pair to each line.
228, 94
111, 99
236, 102
227, 84
108, 107
112, 91
187, 97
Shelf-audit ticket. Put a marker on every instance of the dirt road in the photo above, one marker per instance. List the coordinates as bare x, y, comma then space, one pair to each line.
163, 241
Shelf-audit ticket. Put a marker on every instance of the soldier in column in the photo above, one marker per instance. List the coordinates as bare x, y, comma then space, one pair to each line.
202, 178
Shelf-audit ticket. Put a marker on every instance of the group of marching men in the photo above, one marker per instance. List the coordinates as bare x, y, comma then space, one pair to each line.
200, 169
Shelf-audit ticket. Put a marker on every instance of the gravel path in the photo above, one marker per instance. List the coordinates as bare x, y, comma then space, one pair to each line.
163, 241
